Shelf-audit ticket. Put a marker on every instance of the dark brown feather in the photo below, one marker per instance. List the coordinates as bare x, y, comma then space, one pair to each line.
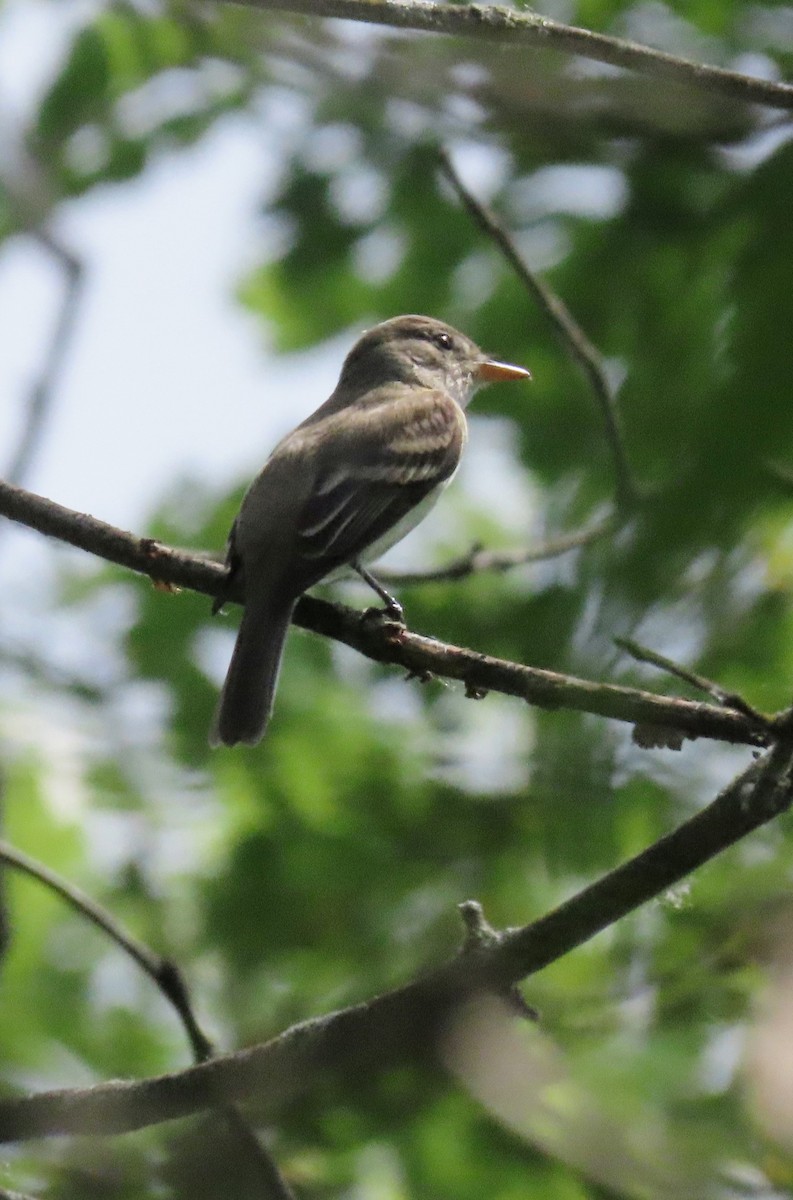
400, 453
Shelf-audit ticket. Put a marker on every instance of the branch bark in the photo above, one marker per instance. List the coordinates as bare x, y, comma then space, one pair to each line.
407, 1024
43, 390
479, 561
578, 346
167, 976
496, 24
384, 642
163, 972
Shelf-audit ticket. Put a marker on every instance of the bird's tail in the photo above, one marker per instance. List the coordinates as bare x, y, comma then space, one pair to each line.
246, 701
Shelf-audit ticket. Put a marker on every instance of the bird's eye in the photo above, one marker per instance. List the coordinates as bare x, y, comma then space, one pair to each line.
443, 340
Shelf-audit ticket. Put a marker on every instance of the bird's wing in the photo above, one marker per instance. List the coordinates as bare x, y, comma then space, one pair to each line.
382, 462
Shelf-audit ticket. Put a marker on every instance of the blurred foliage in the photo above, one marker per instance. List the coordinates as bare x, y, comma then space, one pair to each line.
325, 865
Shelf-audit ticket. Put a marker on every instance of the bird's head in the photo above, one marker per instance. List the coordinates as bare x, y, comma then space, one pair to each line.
425, 352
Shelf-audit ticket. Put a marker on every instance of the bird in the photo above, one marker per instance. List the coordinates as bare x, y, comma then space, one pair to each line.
342, 488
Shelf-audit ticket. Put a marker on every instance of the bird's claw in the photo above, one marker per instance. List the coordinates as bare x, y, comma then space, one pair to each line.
391, 614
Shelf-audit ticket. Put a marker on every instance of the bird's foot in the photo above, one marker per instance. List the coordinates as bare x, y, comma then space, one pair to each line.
392, 610
391, 614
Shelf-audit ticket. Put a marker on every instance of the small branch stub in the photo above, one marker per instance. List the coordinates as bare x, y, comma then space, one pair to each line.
479, 934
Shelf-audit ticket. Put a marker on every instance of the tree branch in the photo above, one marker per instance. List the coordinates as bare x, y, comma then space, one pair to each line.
478, 561
43, 389
384, 642
169, 979
495, 24
165, 973
700, 682
405, 1025
575, 341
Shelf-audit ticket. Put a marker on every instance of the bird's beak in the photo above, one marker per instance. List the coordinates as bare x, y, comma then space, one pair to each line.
491, 371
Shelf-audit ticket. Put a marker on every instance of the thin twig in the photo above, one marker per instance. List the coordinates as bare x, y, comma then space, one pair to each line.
419, 656
478, 561
572, 335
730, 699
162, 971
35, 666
42, 392
169, 979
405, 1025
524, 28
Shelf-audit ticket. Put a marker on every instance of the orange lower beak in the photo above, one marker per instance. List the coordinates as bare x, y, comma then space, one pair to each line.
491, 371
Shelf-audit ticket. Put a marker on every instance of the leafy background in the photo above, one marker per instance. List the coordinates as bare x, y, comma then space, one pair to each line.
326, 864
